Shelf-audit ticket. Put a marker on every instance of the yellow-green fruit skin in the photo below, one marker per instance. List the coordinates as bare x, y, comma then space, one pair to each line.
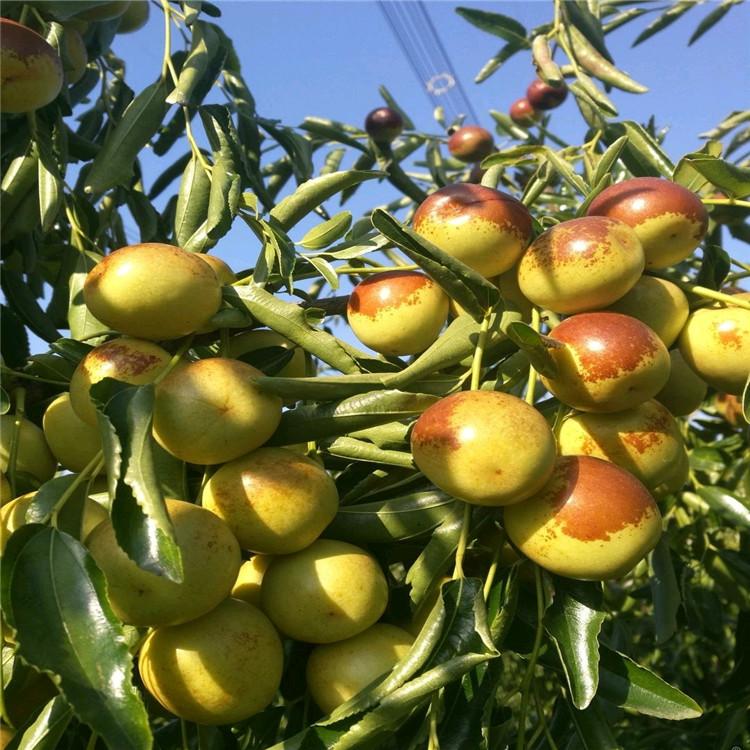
468, 444
715, 342
645, 440
210, 561
338, 671
218, 669
582, 264
152, 291
677, 478
658, 303
397, 312
275, 501
325, 593
251, 341
73, 442
31, 71
591, 521
210, 411
129, 360
249, 579
684, 392
608, 362
76, 54
223, 272
134, 18
33, 456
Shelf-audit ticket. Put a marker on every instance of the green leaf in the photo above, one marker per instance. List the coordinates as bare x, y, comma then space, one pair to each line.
665, 19
642, 155
573, 622
45, 731
728, 506
361, 450
535, 346
54, 597
330, 130
139, 515
82, 323
23, 302
728, 177
593, 728
687, 176
328, 232
711, 20
224, 197
395, 519
563, 168
171, 173
290, 320
325, 269
113, 165
498, 60
546, 67
586, 92
627, 684
715, 266
665, 591
49, 180
461, 283
313, 422
495, 23
145, 215
309, 195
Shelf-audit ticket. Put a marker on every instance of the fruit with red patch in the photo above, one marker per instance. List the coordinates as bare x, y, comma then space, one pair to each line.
471, 143
523, 113
592, 521
542, 96
384, 125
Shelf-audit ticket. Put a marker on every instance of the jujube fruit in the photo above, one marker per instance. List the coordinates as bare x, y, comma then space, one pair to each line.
471, 143
73, 442
249, 579
523, 113
76, 54
384, 125
684, 392
542, 96
135, 17
33, 456
263, 338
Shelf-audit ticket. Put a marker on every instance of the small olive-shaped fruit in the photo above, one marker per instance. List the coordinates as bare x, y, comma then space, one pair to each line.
262, 338
542, 96
523, 113
223, 272
684, 392
658, 303
467, 444
670, 220
582, 264
274, 500
608, 362
152, 291
397, 312
129, 360
33, 456
482, 227
384, 124
678, 475
76, 54
592, 520
73, 442
134, 18
249, 579
324, 593
645, 440
210, 562
219, 669
715, 342
105, 11
211, 411
471, 143
336, 672
31, 71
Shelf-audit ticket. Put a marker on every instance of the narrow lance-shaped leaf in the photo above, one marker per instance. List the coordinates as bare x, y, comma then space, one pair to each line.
495, 23
665, 591
729, 507
81, 322
498, 60
665, 19
642, 155
328, 232
45, 731
536, 347
728, 177
54, 596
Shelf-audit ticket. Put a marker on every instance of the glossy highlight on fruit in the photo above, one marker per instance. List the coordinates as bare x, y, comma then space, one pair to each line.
31, 71
523, 113
467, 444
592, 521
218, 669
582, 264
542, 96
670, 220
471, 143
608, 362
152, 291
73, 442
397, 312
484, 228
325, 593
384, 125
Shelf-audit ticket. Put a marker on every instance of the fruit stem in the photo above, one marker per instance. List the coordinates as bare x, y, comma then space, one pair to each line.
529, 676
740, 264
458, 570
531, 383
176, 357
91, 744
184, 734
476, 363
542, 720
434, 742
92, 468
29, 376
702, 291
724, 202
20, 399
493, 567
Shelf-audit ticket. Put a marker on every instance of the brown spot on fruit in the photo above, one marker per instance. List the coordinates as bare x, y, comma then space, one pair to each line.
434, 426
126, 360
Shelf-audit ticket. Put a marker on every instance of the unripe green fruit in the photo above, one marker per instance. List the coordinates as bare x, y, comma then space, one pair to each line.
275, 501
128, 360
135, 17
483, 228
582, 264
645, 440
608, 362
715, 342
670, 220
592, 520
73, 442
658, 303
210, 562
33, 456
105, 11
76, 54
219, 669
684, 392
31, 71
152, 291
223, 272
325, 593
210, 411
678, 475
261, 338
249, 579
397, 312
471, 143
467, 444
336, 672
